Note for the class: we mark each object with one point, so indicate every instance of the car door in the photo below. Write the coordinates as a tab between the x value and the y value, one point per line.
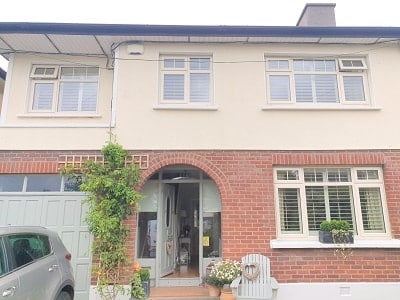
9	283
40	277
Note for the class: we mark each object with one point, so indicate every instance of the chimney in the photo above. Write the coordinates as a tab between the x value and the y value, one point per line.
318	14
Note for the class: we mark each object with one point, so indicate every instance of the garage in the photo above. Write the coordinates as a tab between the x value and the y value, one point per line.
60	211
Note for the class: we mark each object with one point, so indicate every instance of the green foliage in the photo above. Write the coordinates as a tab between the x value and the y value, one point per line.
137	291
341	225
111	199
144	274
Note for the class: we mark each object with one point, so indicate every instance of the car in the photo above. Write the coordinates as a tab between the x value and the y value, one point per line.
34	265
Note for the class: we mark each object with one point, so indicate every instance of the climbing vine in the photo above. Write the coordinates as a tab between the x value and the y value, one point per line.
111	199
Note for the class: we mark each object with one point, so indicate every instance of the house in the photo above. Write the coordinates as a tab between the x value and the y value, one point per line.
246	137
2	81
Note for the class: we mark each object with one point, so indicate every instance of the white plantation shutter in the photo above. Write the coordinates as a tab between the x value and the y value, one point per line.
316	211
43	96
340	203
353	88
289	210
199	87
174	86
316	88
199	79
77	96
89	96
68	97
279	87
371	210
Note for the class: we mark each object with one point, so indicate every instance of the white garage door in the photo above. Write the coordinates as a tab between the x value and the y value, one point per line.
62	213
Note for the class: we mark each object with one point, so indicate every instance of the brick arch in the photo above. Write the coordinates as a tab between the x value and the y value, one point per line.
161	160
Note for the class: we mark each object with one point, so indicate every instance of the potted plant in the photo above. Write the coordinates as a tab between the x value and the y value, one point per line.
140	282
214	285
145	279
137	291
223	273
335	232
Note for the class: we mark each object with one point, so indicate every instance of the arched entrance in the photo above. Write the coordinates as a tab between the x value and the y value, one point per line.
179	225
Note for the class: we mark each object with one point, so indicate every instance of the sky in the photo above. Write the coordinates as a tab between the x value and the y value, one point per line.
376	13
200	12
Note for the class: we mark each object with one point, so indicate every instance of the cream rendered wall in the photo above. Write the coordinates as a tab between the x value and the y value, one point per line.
241	119
1	92
23	130
240	95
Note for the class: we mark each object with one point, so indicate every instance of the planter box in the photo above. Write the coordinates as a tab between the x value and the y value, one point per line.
327	238
146	288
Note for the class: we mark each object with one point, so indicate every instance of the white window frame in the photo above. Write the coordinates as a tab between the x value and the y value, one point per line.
342	67
355	183
56	80
41	76
185	71
340	72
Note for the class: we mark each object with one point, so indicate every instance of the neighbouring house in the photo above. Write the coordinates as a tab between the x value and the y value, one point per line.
2	81
247	138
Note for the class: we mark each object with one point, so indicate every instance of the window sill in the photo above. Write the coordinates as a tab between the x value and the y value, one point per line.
58	115
342	107
298	244
184	107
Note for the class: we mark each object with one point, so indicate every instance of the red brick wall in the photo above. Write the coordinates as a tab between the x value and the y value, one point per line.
245	180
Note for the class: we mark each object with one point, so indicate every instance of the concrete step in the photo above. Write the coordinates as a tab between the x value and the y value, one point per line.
180	293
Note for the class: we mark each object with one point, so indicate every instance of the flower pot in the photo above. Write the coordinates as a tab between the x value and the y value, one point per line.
213	291
327	237
226	294
146	288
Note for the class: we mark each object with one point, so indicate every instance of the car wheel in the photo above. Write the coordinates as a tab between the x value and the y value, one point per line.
64	296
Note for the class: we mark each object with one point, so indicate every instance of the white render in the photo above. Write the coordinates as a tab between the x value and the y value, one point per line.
239	91
339	291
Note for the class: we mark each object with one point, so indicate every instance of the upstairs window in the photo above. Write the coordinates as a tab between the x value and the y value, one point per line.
307	196
64	89
316	81
185	80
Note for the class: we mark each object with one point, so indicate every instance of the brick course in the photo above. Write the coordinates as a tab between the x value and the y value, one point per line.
245	181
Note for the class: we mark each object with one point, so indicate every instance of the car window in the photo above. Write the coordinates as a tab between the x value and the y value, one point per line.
29	247
2	258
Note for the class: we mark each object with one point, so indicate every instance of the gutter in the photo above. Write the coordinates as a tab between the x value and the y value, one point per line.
193	30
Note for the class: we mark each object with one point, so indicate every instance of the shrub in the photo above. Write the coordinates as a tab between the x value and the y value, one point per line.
144	274
339	225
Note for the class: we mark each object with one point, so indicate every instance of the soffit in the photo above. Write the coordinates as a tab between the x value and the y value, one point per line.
98	39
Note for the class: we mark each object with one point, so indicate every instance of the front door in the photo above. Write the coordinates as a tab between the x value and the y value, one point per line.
167	234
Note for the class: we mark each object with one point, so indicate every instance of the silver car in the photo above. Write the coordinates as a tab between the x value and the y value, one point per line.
34	265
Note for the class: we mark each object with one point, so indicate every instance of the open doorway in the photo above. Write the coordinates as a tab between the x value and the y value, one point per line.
187	229
179	226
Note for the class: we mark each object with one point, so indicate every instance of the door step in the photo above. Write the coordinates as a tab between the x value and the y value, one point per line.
180	293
